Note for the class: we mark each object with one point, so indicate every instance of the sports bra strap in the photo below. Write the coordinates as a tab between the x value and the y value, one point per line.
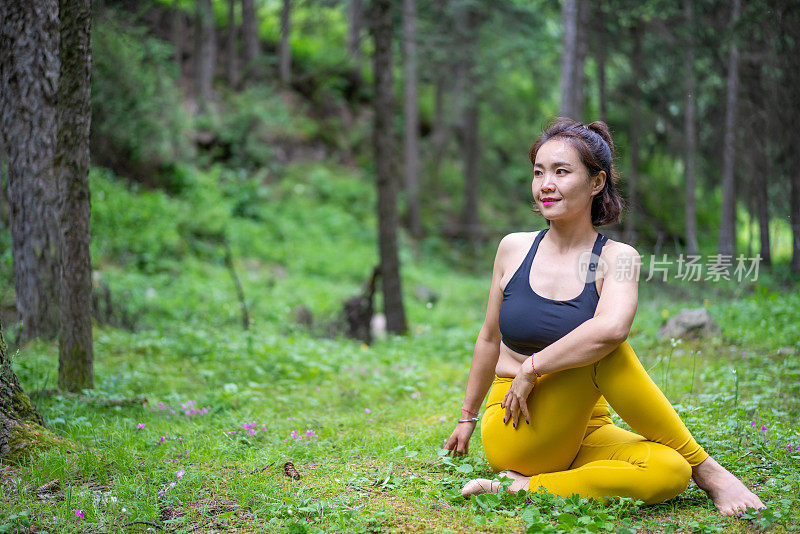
591	272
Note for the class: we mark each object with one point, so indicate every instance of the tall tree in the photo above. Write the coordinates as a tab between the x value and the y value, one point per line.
727	225
206	51
29	79
250	40
636	99
385	165
230	47
468	25
690	133
570	15
177	33
411	114
18	417
355	15
600	54
285	52
75	354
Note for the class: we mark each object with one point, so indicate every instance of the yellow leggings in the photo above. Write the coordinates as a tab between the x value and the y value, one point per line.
570	445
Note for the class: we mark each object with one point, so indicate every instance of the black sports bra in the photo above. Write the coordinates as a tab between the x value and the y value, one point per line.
530	322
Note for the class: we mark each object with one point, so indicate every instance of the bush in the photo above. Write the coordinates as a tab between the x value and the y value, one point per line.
139	127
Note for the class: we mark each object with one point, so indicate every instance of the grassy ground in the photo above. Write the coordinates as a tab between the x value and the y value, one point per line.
363	425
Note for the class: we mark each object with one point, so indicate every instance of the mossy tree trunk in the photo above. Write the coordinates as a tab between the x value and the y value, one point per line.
21	426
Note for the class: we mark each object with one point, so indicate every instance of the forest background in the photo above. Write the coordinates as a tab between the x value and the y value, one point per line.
253	162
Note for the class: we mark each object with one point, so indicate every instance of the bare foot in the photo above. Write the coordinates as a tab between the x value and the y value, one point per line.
484	485
730	496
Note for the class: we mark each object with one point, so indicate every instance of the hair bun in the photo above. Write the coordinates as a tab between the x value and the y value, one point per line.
601	128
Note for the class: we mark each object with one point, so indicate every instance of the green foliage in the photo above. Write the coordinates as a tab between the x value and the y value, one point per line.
140	127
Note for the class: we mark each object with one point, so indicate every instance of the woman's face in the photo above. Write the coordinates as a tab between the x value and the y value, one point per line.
562	187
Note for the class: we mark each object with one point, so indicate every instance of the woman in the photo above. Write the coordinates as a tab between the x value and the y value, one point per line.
551	363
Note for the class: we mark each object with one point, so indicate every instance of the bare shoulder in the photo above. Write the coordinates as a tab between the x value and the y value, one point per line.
617	249
617	255
516	240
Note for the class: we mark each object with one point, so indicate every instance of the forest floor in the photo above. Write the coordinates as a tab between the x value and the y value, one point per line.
189	428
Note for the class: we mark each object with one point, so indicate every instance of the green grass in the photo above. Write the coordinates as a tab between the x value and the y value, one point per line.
372	419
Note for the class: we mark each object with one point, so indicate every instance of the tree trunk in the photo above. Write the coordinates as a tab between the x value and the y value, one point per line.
633	174
411	113
795	218
355	13
569	59
600	59
250	40
20	423
206	46
582	48
230	49
177	33
690	136
727	226
29	76
75	354
385	150
467	82
285	52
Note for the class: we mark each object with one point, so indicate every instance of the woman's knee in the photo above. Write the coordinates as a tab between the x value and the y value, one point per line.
671	473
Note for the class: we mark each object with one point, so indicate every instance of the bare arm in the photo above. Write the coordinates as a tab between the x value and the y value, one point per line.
612	320
484	358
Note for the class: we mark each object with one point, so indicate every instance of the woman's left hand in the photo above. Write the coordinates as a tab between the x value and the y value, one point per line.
516	399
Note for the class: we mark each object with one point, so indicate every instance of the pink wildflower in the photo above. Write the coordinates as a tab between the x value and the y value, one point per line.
311	434
162	439
752	423
764	428
180	473
252	432
294	434
79	513
140	426
367	410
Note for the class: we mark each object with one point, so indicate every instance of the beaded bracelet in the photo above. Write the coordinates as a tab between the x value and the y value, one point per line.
469	411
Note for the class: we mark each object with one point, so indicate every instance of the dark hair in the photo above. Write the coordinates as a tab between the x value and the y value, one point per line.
596	149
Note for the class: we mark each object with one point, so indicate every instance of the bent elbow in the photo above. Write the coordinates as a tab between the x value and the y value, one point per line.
618	333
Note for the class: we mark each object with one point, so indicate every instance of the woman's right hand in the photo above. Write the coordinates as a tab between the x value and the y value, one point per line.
458	444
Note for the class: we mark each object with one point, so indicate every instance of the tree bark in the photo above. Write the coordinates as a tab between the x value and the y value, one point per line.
727	226
569	59
75	353
230	49
467	82
411	113
19	421
250	40
385	150
633	174
690	135
285	52
206	46
29	67
355	14
177	33
582	48
600	59
795	218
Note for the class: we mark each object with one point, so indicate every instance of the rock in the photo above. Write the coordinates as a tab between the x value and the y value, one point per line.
689	324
